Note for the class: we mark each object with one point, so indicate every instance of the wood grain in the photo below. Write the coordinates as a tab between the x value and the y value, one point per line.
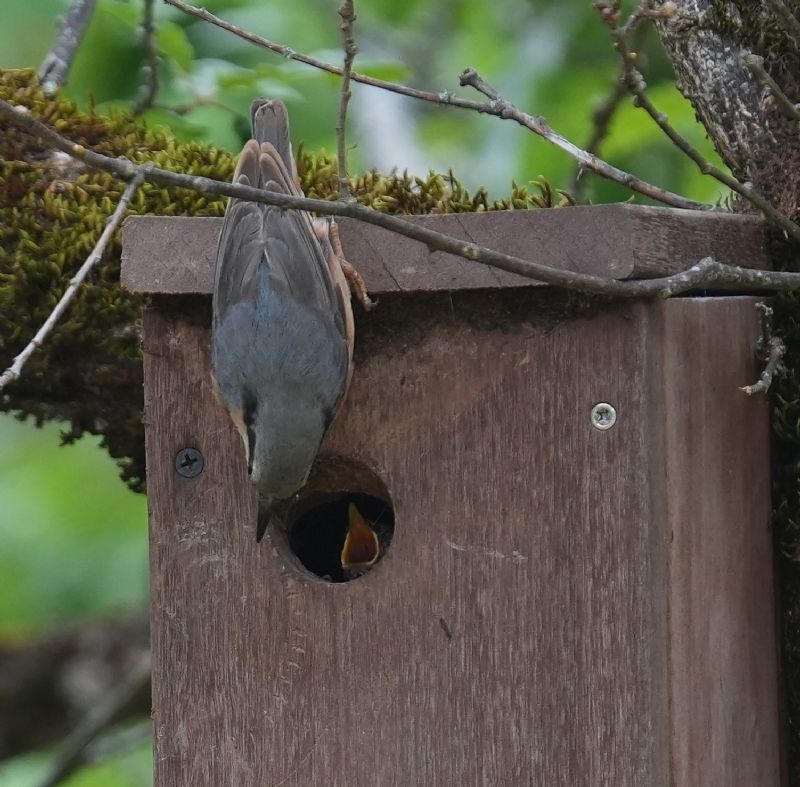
559	605
619	241
723	664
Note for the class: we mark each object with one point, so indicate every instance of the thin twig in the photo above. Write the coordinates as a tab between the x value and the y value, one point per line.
706	273
537	125
638	87
15	370
348	15
70	755
56	65
601	121
789	20
603	115
777	349
149	88
756	64
503	108
772	214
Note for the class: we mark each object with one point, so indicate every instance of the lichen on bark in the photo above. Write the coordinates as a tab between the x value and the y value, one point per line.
706	41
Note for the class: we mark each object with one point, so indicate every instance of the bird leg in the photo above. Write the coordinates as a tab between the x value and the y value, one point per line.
354	280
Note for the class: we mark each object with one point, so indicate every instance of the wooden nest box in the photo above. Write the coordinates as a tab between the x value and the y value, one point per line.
578	589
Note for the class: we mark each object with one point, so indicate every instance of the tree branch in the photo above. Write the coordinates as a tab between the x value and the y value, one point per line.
601	121
55	67
500	108
503	108
704	274
773	347
15	370
48	684
602	117
638	87
756	64
149	87
788	19
348	15
777	349
70	755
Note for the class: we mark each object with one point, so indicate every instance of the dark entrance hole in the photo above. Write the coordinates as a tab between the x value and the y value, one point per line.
341	524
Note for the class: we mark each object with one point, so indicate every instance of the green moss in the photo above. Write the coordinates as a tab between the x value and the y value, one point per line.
52	210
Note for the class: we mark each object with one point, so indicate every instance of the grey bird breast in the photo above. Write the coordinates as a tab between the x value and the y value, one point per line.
280	352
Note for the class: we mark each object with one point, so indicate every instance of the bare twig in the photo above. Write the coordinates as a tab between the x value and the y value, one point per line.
499	108
788	19
70	756
588	161
601	120
637	86
47	683
756	64
602	116
149	87
706	273
14	371
777	349
770	347
348	15
58	61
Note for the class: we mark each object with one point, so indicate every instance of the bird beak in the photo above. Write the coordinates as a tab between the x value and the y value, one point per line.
264	513
361	547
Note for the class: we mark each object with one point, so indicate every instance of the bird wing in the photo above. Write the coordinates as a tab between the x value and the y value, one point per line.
269	121
263	240
275	270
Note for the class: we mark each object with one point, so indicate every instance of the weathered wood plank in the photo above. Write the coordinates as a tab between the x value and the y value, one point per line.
521	628
723	661
176	255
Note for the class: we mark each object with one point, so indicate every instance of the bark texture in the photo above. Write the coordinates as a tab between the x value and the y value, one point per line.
707	40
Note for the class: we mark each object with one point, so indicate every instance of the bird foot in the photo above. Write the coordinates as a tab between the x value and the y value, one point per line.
354	281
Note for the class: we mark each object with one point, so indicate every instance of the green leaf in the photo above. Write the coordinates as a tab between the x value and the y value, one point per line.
173	43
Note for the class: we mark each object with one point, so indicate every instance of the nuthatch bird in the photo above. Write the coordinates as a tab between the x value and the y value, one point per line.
282	331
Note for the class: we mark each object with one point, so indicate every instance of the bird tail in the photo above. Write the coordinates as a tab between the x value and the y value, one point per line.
264	514
270	123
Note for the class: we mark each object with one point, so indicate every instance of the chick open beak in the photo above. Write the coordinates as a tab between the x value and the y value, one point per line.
361	547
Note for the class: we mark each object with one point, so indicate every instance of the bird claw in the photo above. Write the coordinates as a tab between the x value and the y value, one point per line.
354	280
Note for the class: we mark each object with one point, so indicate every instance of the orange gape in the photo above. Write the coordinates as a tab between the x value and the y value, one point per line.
361	546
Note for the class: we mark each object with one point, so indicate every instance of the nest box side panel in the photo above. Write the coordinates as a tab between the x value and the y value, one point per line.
723	636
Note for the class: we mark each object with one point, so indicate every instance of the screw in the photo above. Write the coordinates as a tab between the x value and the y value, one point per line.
603	416
189	462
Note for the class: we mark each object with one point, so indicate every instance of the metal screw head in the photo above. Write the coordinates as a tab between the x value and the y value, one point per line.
603	416
189	462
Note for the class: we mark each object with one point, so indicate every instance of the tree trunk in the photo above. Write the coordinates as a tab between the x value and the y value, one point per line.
707	40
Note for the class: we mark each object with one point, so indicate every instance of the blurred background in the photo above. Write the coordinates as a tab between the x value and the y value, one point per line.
73	538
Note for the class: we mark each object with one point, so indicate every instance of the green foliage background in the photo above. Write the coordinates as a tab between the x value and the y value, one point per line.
74	539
